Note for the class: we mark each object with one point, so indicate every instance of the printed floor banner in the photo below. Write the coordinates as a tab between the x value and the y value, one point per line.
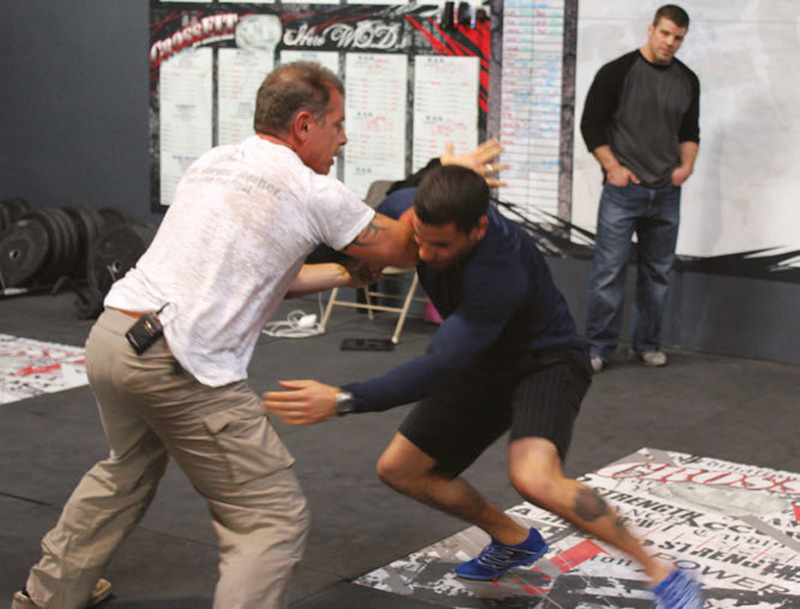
735	527
30	367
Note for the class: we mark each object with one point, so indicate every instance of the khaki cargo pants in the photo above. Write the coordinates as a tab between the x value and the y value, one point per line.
220	437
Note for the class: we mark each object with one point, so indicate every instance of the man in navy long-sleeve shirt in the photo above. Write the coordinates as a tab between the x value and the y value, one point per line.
507	356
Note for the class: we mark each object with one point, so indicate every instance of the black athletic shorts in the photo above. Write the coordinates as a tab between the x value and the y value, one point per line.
540	396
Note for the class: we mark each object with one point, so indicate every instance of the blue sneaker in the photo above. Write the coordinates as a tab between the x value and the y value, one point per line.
678	591
497	558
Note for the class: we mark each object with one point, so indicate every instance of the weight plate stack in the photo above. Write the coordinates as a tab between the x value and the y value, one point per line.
88	224
24	249
115	252
113	216
50	270
10	211
71	242
5	219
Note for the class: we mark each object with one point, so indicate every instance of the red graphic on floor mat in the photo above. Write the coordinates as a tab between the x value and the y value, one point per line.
30	367
37	370
586	550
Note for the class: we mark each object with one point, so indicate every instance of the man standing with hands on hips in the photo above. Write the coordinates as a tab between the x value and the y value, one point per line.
640	122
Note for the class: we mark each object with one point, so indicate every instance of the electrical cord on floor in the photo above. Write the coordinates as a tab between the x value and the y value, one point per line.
298	324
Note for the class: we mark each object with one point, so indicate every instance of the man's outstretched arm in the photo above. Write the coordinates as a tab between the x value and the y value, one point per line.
305	403
314	278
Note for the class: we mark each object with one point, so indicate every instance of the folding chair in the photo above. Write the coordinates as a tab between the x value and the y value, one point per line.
406	278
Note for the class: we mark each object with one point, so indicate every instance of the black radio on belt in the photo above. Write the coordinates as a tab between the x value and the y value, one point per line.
146	331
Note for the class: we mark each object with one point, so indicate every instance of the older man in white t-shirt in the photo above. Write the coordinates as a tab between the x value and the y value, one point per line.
230	248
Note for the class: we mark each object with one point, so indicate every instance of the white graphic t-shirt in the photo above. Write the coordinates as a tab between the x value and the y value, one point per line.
244	219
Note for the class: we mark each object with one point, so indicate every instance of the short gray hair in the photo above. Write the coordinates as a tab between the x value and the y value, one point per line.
292	88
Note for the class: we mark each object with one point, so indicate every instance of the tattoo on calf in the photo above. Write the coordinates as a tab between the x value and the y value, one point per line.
368	234
589	505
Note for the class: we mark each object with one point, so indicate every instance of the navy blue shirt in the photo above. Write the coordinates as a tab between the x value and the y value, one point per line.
498	304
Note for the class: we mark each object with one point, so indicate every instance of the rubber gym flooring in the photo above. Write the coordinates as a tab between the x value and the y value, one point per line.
710	406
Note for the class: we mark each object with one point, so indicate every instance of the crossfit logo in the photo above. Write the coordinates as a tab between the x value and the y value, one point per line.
660	472
199	31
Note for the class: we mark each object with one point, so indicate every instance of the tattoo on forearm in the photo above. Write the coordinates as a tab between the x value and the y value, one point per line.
590	506
368	234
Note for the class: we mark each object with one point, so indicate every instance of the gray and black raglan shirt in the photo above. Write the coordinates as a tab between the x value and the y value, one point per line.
643	111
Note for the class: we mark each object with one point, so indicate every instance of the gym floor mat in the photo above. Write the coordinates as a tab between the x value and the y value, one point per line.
735	527
30	367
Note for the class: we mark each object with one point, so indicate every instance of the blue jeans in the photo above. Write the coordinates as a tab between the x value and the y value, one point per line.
653	214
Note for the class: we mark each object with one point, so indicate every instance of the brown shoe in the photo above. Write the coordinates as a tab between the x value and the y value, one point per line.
100	592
